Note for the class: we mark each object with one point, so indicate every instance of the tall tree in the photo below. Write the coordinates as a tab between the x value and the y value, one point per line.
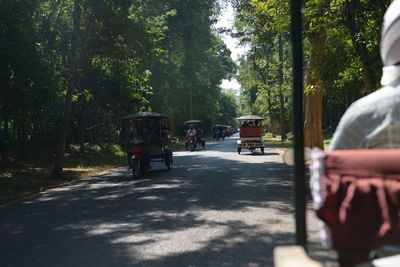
263	24
317	36
186	78
73	59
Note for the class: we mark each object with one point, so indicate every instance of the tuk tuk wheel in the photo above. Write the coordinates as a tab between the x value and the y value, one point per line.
239	149
136	168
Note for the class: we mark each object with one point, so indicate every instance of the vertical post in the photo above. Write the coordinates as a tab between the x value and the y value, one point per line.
300	198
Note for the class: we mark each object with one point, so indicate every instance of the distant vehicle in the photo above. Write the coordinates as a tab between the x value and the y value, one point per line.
250	133
147	140
220	131
194	134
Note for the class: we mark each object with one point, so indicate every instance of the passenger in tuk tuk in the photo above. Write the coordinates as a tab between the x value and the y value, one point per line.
199	134
373	121
133	135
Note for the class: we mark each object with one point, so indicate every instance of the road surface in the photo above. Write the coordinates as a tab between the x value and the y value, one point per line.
213	208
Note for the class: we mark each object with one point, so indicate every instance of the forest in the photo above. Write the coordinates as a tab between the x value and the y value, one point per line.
71	69
341	60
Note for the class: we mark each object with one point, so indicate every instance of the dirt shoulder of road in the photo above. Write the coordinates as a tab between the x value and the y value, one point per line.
27	174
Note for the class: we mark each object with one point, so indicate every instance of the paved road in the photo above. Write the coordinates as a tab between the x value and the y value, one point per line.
214	208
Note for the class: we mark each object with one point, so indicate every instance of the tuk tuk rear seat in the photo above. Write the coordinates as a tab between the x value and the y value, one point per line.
251	131
357	195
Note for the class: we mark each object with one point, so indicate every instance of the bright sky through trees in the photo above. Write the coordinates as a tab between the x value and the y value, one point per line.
226	21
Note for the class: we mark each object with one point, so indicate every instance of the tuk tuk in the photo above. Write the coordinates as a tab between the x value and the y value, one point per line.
219	131
230	131
194	134
250	133
146	135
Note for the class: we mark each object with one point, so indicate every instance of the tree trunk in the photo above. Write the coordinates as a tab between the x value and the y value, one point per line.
14	132
281	97
6	128
72	83
82	128
25	133
313	134
271	122
360	46
265	80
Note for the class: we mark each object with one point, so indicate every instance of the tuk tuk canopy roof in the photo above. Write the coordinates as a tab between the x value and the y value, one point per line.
250	117
145	115
193	122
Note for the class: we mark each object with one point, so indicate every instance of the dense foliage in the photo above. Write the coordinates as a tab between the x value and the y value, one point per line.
84	64
70	69
342	60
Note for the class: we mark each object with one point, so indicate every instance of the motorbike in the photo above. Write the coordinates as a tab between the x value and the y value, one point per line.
191	142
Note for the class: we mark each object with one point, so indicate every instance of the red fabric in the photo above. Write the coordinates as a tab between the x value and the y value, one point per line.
361	190
251	131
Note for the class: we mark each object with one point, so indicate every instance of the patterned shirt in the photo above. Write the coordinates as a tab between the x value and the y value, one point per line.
374	120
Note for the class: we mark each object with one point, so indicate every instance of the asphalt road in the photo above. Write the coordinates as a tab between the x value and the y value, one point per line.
213	208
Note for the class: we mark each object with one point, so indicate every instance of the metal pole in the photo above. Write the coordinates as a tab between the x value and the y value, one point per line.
300	195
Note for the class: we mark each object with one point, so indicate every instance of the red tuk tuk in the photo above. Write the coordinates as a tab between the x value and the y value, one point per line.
147	140
250	133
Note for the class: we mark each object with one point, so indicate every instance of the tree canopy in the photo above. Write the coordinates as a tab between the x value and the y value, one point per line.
71	69
75	67
342	62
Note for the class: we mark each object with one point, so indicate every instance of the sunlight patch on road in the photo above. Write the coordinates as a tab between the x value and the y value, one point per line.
109	197
106	184
47	198
151	246
151	198
107	228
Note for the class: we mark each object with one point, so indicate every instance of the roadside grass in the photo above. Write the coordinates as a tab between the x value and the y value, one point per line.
23	176
177	145
276	141
27	175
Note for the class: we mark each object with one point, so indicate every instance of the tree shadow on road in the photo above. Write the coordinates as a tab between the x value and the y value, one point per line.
115	220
